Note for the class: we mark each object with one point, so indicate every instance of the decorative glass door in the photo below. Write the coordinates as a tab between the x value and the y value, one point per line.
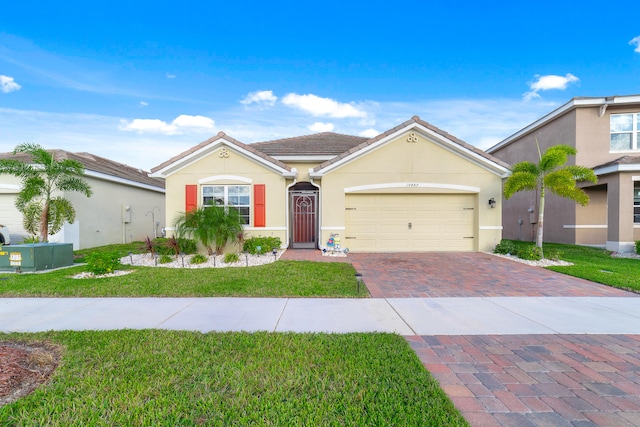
304	212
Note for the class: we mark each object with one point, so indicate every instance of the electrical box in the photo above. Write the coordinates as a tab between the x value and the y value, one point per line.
36	257
126	214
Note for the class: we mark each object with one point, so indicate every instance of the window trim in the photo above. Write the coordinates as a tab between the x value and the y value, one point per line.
635	131
247	218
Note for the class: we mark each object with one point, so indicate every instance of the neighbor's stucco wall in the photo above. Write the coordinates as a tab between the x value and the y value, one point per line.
103	218
99	219
560	213
9	214
220	167
421	162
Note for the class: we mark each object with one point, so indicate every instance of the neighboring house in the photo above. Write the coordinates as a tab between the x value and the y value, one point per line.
606	134
412	188
127	205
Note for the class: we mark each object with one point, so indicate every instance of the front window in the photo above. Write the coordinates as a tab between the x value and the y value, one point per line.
636	202
624	131
238	196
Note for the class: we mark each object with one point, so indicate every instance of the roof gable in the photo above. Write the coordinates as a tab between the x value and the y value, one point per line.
434	134
195	153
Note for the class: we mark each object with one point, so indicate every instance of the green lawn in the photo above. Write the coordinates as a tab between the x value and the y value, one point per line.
279	279
170	378
596	265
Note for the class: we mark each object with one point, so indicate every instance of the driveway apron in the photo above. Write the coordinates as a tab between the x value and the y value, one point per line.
542	379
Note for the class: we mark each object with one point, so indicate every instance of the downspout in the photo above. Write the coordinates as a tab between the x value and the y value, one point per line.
319	231
287	213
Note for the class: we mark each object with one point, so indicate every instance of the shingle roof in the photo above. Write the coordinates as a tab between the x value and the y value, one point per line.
227	138
414	119
98	164
325	143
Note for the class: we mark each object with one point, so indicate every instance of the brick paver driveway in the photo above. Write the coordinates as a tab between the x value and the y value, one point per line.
511	380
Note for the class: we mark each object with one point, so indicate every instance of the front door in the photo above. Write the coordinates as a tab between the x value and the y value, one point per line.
304	213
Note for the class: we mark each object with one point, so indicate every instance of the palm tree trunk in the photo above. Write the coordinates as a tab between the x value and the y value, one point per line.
540	221
44	223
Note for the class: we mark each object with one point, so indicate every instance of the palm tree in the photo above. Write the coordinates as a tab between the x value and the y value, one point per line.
43	211
213	226
550	173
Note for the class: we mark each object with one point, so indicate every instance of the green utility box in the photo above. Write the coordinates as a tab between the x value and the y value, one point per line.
36	256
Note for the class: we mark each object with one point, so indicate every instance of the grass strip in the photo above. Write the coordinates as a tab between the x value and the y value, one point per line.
178	378
594	264
279	279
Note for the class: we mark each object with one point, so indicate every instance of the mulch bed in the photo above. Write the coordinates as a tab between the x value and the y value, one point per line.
24	367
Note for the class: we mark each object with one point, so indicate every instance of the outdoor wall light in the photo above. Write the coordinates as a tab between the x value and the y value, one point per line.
492	202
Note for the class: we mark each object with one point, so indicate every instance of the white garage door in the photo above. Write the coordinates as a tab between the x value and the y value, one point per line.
406	223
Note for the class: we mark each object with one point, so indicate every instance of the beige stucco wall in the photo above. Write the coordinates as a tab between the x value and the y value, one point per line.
424	166
216	169
591	220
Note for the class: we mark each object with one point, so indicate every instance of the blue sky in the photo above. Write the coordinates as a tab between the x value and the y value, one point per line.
139	82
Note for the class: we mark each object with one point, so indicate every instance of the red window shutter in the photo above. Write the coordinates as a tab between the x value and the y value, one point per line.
259	206
191	197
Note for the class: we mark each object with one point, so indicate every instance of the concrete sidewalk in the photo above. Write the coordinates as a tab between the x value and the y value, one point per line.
405	316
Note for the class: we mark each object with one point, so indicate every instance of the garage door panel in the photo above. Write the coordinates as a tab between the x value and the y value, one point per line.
439	222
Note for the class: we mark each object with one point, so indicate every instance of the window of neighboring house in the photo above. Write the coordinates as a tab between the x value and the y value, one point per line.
636	202
238	196
624	132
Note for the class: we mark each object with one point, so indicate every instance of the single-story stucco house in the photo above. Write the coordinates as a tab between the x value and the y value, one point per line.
411	188
606	132
127	205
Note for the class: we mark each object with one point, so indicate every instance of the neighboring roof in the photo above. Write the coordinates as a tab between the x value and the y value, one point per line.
319	144
220	139
578	102
415	120
101	167
621	164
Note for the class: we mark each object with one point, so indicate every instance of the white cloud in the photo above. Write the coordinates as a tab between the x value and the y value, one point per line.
262	97
321	127
180	123
7	84
143	103
635	41
549	82
369	133
148	125
317	106
170	76
193	122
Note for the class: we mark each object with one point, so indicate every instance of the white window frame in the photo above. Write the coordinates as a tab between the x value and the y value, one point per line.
225	201
635	129
636	203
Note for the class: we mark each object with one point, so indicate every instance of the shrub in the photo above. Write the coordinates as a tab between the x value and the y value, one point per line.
31	239
638	247
174	245
231	258
506	247
554	255
103	262
198	259
264	242
529	252
165	259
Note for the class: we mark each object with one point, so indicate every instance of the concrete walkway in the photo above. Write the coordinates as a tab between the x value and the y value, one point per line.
405	316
